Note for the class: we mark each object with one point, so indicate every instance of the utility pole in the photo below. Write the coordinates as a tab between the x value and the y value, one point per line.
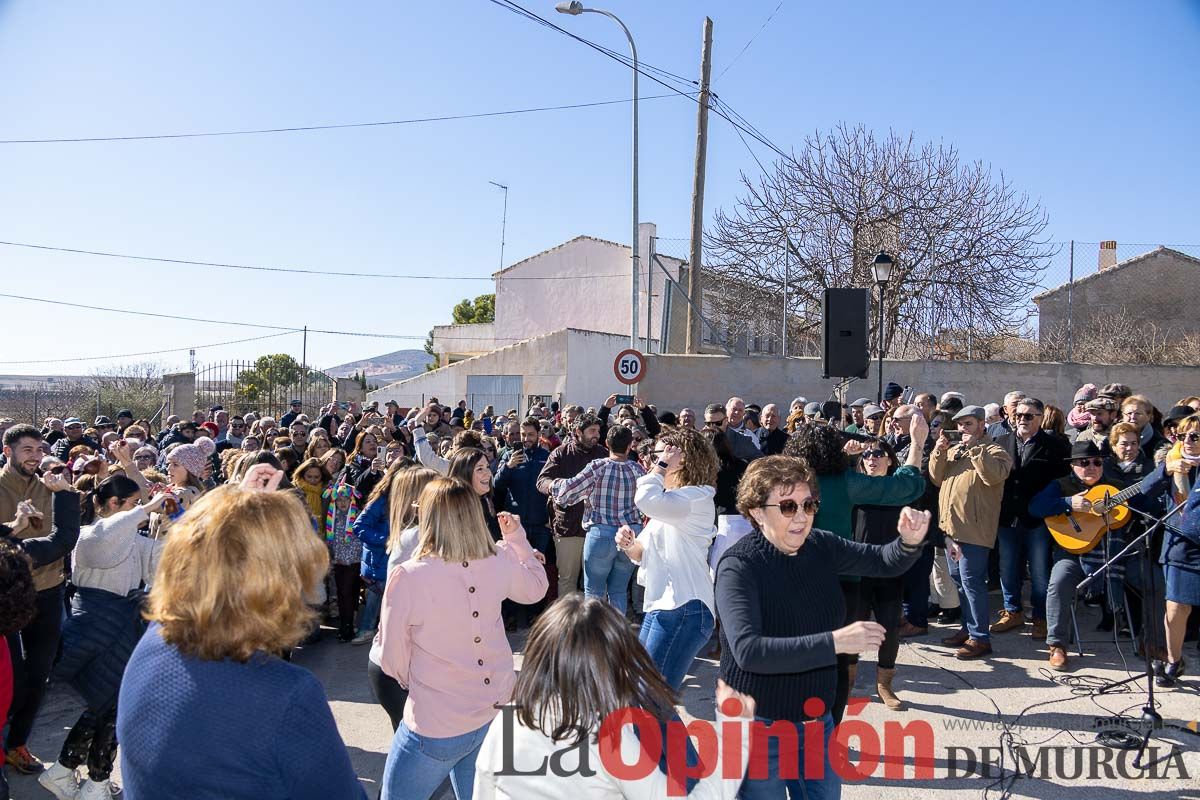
786	269
695	295
304	352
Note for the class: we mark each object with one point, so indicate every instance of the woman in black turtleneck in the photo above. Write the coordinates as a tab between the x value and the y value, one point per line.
781	609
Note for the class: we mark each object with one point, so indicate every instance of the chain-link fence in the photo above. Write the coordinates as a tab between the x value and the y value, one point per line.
1092	302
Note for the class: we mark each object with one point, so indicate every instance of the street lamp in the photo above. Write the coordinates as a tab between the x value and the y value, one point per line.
882	267
575	8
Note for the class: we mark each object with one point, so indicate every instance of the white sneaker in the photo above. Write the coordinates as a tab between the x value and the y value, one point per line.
363	638
92	790
60	781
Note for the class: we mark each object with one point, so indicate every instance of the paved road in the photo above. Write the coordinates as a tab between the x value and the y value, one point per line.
937	687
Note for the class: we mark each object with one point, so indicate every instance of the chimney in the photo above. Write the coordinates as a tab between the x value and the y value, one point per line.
1108	255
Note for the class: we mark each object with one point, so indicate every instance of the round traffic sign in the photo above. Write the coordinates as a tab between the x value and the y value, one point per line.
630	366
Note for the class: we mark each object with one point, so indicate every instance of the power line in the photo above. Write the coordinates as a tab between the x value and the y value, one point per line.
752	38
149	352
336	126
293	270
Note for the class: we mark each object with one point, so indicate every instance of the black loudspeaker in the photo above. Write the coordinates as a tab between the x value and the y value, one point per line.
845	351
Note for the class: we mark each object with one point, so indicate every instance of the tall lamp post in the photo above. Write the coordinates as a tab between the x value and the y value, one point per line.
882	267
575	8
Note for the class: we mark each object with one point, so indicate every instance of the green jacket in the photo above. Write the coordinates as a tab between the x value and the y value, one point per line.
841	493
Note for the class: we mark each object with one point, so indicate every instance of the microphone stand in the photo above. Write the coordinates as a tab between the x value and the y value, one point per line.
1150	716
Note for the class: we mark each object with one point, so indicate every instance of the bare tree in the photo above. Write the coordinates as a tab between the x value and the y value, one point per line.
1120	338
134	386
967	245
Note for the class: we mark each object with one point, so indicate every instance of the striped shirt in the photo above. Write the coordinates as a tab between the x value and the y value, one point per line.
608	488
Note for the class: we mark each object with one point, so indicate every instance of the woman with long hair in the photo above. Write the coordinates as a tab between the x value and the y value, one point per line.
311	480
188	466
877	524
207	707
402	534
334	462
373	528
318	444
672	550
111	562
442	638
581	665
470	465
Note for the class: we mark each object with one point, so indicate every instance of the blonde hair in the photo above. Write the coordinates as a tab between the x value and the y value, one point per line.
451	522
260	561
402	500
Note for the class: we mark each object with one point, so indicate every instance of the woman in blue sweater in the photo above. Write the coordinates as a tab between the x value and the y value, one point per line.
207	709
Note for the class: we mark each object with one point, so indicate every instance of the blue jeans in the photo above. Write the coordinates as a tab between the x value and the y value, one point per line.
970	574
1018	545
673	638
368	618
606	570
417	765
774	787
916	590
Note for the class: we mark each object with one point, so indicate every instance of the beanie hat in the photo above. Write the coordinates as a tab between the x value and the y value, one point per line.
892	391
192	457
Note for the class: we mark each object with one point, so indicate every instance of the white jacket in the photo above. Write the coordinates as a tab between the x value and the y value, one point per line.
674	565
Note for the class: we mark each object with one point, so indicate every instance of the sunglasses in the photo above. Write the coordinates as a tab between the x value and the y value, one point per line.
1026	417
1089	462
788	508
874	453
1191	437
58	470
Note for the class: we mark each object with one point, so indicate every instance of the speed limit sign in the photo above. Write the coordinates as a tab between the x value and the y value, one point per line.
629	366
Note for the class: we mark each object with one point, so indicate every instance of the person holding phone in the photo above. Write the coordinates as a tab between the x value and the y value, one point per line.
516	492
971	473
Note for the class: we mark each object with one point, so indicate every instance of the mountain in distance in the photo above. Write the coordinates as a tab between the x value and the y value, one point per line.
385	369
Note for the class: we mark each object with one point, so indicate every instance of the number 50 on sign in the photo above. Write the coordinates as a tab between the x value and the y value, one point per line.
629	367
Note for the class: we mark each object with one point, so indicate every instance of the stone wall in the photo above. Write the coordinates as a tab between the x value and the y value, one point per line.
674	381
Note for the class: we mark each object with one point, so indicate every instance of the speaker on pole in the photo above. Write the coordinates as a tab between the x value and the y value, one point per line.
845	346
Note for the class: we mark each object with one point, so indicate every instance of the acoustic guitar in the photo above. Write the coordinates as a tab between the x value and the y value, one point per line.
1079	532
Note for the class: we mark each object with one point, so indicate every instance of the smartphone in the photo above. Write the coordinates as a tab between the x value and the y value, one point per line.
953	436
624	399
343	405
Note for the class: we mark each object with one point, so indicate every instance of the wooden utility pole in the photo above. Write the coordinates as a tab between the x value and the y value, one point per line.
695	294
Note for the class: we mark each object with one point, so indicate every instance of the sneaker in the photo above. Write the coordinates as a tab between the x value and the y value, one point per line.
1008	620
1058	657
973	648
1171	673
363	638
60	781
94	790
1039	630
908	629
25	762
957	640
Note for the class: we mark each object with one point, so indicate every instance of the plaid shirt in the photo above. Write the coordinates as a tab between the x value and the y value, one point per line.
607	487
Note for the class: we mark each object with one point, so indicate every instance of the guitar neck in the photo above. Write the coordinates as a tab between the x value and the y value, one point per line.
1122	496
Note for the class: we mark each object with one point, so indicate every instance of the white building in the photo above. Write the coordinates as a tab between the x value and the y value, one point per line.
562	316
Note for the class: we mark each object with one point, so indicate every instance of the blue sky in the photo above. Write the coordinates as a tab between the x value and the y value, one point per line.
1091	108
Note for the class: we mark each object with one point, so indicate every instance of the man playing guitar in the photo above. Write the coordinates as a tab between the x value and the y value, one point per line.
1067	496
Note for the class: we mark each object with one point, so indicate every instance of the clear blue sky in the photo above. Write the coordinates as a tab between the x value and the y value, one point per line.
1092	108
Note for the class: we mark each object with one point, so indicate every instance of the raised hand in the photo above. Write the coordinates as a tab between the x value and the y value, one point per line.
918	430
913	525
857	637
510	526
262	478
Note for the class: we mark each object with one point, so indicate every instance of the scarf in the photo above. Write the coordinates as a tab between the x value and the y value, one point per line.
331	496
313	493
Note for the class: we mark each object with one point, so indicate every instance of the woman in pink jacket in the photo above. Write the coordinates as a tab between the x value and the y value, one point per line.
442	638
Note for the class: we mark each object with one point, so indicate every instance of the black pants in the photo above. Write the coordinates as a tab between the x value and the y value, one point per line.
884	597
346	584
388	692
33	649
93	740
850	593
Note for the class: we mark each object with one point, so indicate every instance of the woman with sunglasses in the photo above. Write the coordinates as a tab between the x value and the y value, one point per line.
877	524
841	489
1175	480
672	551
782	612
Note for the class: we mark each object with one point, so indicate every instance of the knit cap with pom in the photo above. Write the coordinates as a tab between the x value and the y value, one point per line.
193	457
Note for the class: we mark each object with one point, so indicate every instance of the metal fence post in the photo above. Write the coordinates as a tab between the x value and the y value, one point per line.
1070	308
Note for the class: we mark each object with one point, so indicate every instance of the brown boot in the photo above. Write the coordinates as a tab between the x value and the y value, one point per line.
973	648
908	630
1008	620
1058	657
853	673
957	640
883	685
1039	629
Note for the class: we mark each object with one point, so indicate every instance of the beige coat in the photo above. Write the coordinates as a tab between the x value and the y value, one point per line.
13	489
972	485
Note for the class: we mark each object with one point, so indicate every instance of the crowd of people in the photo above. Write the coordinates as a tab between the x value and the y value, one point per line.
166	573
